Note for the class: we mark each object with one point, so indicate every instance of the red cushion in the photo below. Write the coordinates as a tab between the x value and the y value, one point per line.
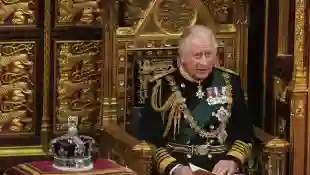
101	167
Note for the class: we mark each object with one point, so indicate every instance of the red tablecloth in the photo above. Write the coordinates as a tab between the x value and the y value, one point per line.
101	167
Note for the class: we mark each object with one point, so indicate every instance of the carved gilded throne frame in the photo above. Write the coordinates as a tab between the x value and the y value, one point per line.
156	26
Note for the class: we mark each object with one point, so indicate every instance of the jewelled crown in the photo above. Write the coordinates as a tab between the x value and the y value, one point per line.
71	151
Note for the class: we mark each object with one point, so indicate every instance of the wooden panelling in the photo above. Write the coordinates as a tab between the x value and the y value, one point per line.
300	96
307	59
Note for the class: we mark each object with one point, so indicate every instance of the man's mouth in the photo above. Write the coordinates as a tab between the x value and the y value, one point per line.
202	70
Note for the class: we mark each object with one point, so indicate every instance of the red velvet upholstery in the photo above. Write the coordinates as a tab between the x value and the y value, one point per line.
101	167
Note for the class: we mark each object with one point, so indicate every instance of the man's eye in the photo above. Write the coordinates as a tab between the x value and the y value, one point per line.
197	55
208	54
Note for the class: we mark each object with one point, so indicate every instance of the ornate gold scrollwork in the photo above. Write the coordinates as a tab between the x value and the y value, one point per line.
78	11
21	11
16	87
220	9
145	73
135	11
171	16
78	83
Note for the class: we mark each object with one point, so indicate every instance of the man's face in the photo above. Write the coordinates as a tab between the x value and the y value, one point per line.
199	58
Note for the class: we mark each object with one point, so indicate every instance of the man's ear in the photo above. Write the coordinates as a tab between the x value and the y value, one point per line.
216	62
179	61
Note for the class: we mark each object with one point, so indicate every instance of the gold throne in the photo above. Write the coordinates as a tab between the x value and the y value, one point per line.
148	43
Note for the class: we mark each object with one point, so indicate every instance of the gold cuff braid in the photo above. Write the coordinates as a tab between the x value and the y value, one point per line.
163	159
240	150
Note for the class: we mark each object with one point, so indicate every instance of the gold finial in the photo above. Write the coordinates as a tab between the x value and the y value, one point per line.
144	149
277	146
143	146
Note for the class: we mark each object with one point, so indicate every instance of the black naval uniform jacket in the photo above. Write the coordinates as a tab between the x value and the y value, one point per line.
239	127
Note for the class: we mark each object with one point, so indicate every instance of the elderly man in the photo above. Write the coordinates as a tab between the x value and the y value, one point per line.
196	114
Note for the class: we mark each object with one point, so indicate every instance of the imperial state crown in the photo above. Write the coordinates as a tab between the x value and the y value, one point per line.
72	152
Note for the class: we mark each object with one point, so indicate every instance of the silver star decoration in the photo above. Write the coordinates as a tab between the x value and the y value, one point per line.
200	94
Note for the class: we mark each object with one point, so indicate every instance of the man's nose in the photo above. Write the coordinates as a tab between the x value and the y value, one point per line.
205	60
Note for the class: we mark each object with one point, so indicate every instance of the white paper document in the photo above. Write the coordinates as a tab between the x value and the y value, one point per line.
195	168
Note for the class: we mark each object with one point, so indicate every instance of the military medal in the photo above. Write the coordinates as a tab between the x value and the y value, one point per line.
222	115
182	85
218	95
200	94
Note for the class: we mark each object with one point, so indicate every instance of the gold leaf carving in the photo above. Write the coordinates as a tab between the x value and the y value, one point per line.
78	83
144	75
220	9
300	108
300	93
135	11
16	87
147	68
172	16
300	71
21	12
77	11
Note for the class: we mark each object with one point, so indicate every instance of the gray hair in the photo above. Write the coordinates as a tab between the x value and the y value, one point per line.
195	31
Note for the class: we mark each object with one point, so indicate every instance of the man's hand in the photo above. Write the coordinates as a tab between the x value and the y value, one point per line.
182	170
225	167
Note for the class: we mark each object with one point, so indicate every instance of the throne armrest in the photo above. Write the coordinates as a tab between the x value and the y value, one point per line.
118	145
269	154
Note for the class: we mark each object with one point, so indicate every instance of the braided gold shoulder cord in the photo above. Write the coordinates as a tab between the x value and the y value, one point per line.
178	107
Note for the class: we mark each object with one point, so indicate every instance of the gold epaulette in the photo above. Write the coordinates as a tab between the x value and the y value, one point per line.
163	74
227	70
